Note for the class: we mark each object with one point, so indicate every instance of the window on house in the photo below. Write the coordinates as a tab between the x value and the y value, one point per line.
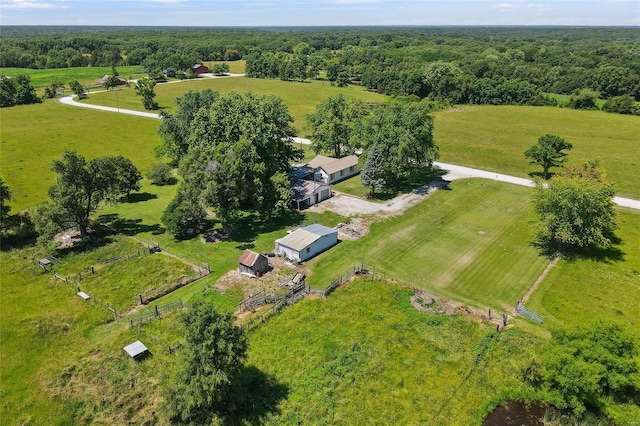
308	249
351	169
332	176
341	172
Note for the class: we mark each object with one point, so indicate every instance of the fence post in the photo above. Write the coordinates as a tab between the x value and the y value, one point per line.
504	319
156	309
141	300
93	272
131	322
489	313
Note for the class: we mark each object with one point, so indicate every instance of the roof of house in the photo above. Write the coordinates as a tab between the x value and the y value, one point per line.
303	189
305	236
249	258
332	165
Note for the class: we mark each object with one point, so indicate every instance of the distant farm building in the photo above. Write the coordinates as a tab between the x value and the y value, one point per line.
306	242
104	79
307	193
200	69
330	170
253	264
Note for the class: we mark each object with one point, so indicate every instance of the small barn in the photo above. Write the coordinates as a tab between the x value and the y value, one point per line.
119	81
200	69
330	170
306	242
253	264
307	193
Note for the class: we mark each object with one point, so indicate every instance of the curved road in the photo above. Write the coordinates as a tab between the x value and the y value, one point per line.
454	172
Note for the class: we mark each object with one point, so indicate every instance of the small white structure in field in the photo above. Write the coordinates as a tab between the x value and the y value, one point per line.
306	242
136	350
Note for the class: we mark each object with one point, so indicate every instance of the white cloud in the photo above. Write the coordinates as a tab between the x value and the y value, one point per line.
27	4
510	7
356	1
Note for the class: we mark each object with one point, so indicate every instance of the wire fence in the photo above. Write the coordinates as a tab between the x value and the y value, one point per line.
528	313
155	313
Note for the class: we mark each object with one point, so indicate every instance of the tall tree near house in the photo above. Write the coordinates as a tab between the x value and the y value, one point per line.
403	135
373	173
575	209
332	124
213	354
237	154
81	186
110	82
548	152
145	88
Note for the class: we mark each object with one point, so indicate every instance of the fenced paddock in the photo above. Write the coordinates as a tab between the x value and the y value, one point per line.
155	313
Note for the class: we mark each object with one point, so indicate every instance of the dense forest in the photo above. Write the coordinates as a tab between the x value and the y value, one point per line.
484	65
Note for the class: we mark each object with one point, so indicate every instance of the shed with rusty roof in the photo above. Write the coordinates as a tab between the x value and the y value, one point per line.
253	264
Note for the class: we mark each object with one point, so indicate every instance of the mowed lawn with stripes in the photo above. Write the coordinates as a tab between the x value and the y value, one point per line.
470	243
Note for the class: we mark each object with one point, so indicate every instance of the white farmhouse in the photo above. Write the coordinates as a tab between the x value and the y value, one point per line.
306	242
330	170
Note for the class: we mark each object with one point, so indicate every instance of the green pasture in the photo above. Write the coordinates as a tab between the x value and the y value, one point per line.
45	326
32	136
365	355
495	137
603	285
470	243
87	76
235	67
300	98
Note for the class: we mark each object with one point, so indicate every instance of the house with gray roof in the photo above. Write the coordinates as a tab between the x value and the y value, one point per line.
330	170
306	242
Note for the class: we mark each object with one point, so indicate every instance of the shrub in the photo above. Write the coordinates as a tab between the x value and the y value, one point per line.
161	174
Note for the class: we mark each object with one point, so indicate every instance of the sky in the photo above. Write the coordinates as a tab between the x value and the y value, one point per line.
215	13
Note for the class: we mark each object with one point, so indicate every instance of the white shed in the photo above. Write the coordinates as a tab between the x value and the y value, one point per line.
306	242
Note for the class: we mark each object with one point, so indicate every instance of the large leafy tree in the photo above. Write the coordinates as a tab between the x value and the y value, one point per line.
548	152
583	367
213	354
403	135
175	128
332	124
575	209
238	152
81	186
145	88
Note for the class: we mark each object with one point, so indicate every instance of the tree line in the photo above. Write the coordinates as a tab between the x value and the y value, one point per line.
457	65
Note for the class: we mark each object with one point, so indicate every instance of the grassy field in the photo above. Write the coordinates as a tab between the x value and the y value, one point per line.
495	137
87	76
366	356
605	285
34	135
479	254
45	326
235	67
300	98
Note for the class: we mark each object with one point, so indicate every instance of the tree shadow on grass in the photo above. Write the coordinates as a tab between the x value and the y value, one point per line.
128	226
139	197
600	254
253	396
246	229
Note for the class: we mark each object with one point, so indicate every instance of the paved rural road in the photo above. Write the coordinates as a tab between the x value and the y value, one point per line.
349	205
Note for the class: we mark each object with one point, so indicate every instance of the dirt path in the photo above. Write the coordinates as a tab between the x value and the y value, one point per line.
542	276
